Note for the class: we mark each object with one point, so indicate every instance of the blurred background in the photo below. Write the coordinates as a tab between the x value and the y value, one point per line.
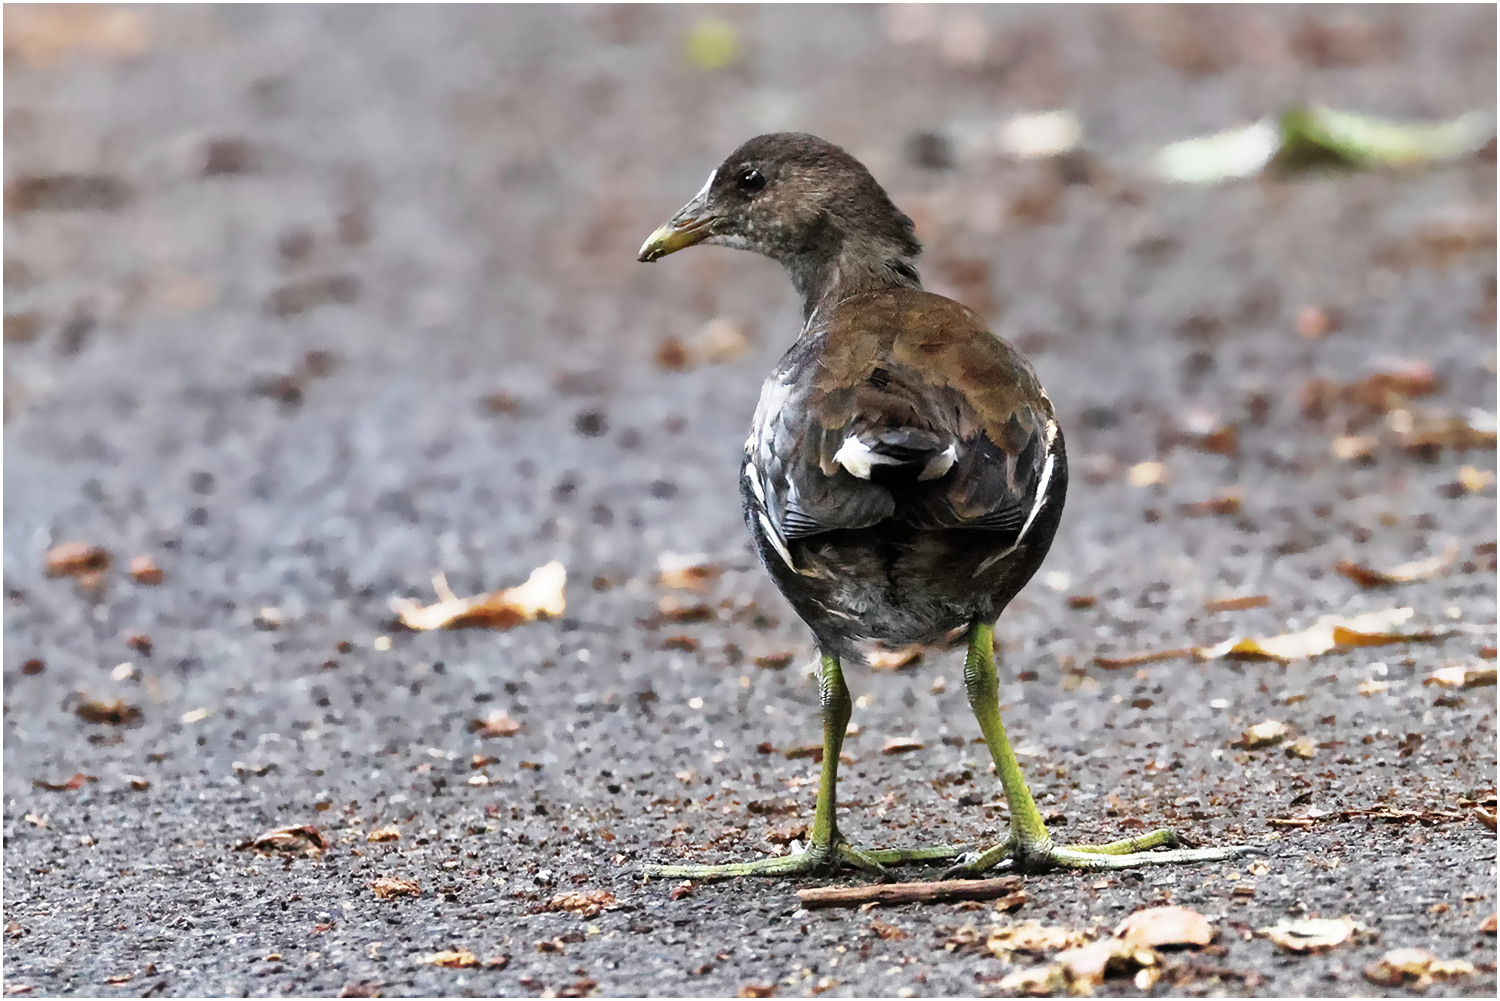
304	304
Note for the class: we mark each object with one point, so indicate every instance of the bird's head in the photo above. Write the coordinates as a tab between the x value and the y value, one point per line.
794	198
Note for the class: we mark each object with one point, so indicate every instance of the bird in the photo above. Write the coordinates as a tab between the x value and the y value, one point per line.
903	479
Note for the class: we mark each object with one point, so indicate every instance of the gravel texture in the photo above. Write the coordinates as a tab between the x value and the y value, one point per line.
307	304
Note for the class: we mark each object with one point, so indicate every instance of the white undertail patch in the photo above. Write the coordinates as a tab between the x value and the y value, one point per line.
1041	499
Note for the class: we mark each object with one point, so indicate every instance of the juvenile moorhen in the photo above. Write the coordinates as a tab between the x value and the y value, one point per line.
903	478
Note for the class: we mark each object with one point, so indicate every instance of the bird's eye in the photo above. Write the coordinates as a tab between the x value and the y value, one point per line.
750	179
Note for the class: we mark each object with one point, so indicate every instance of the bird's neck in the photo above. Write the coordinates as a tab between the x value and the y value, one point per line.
849	266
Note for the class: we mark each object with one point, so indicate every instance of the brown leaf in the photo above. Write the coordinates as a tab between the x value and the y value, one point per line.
1405	573
692	573
1417	968
389	887
143	570
1148	474
459	959
884	659
1487	927
1311	934
74	559
34	666
901	745
673	609
887	931
686	644
541	597
684	889
296	839
76	782
1266	734
1032	936
388	833
754	990
584	903
1158	926
1221	505
1327	634
137	782
1461	677
775	661
1241	604
497	724
115	713
41	34
1082	969
786	833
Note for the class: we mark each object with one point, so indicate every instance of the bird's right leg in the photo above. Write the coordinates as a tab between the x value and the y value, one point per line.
826	848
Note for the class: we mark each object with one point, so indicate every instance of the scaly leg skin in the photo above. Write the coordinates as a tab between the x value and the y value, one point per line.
1029	848
826	849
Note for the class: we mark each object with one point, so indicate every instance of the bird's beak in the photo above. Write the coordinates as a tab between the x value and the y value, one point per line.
692	224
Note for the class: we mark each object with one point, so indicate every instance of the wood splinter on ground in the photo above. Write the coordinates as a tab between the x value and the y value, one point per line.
909	893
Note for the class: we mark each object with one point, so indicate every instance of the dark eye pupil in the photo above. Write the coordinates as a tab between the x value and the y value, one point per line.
751	180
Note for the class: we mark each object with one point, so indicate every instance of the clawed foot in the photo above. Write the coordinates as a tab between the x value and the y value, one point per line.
1128	853
815	860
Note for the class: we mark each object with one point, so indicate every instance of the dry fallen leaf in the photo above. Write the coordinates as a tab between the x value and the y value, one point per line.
115	713
42	33
1032	936
1417	968
887	931
885	659
1222	505
775	661
145	571
389	887
1147	474
541	597
900	745
1241	604
757	991
1489	925
452	959
76	782
1328	633
1082	969
1461	677
1354	446
693	573
1158	926
1267	734
1474	480
497	724
1405	573
584	903
390	832
296	839
1302	747
75	559
1311	934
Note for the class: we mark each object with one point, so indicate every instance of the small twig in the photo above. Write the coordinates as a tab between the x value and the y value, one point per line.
909	893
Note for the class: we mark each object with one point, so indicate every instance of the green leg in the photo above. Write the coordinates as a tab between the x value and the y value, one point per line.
1029	847
826	847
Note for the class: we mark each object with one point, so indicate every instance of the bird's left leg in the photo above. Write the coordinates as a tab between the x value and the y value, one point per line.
1029	848
826	847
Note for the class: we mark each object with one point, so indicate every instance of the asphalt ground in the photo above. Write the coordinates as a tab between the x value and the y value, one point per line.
347	297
